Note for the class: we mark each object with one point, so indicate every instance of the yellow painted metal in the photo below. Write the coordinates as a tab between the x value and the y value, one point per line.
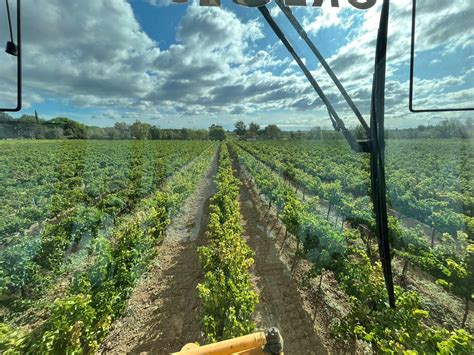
190	346
240	345
257	351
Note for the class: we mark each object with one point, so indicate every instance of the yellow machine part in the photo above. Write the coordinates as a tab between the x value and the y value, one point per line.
251	344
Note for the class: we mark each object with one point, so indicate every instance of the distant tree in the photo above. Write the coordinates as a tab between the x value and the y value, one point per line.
240	129
112	133
444	129
27	118
253	130
155	132
183	133
272	131
140	130
315	133
123	129
72	129
96	133
54	133
216	133
202	134
36	117
295	135
5	117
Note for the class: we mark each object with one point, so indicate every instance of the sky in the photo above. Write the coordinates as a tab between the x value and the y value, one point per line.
185	65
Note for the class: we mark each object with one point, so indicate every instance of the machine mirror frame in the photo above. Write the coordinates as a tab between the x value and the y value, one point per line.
19	61
412	71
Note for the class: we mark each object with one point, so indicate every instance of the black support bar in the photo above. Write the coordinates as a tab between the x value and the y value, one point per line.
332	112
289	14
376	143
377	154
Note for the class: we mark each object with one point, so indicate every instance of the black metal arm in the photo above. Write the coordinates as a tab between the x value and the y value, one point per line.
376	143
377	154
337	122
289	14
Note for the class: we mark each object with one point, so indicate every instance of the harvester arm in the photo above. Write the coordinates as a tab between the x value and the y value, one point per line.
252	344
335	119
289	15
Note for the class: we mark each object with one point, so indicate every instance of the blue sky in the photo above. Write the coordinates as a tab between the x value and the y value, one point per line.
103	61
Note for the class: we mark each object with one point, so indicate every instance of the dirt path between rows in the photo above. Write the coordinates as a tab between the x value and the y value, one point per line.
162	313
444	307
281	304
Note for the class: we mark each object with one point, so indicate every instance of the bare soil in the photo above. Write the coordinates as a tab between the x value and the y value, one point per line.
162	314
446	309
303	314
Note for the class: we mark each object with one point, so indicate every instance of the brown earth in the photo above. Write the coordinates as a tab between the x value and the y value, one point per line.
446	309
280	303
163	309
303	314
162	312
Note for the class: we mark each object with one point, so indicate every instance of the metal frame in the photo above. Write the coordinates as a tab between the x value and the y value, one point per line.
19	63
375	145
377	153
289	14
335	119
412	70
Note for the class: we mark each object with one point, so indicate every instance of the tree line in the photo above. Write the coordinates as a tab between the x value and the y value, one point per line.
33	127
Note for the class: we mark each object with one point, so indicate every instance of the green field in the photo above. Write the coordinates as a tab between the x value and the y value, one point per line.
80	222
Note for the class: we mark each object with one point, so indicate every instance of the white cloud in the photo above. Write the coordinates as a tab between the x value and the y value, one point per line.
159	3
95	54
93	49
327	18
440	27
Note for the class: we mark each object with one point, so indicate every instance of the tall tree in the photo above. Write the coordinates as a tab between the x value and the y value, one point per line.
240	129
272	131
140	130
216	133
155	132
123	128
253	130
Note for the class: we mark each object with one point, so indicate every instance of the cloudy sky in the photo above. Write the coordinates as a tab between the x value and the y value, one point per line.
102	61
